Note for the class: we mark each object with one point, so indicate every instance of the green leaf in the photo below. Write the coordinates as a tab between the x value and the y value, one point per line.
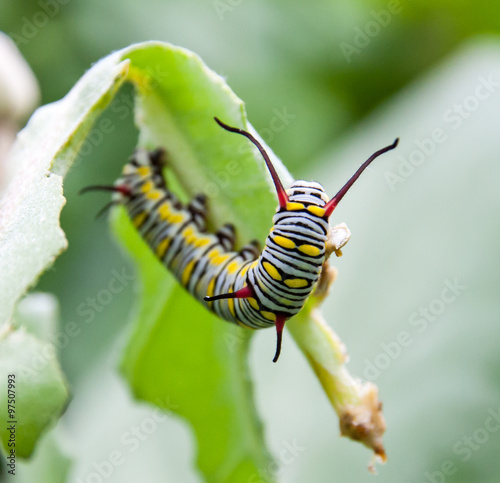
39	392
179	352
35	396
180	356
356	402
30	240
177	99
30	204
31	237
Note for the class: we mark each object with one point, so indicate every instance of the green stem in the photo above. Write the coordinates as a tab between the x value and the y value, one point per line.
355	402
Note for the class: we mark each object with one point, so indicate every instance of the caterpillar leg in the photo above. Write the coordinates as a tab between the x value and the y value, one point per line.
157	161
198	209
158	158
251	251
227	236
326	279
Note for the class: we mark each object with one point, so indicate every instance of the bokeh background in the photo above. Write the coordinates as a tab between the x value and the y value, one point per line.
416	300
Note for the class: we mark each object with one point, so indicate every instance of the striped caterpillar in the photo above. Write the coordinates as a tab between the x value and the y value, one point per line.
249	287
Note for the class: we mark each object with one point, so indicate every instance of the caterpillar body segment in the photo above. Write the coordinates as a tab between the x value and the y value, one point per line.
280	277
251	287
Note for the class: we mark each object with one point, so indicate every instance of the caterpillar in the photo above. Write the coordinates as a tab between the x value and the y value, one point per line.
250	287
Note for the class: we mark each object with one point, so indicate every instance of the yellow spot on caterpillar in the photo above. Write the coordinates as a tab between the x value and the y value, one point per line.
244	270
213	254
174	219
284	242
268	315
296	282
164	211
291	206
139	219
254	264
310	250
210	288
143	170
189	236
187	272
233	266
230	303
201	242
148	186
316	210
271	270
253	303
162	247
153	195
220	259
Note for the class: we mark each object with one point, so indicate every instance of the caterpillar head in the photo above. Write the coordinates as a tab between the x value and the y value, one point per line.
302	190
308	192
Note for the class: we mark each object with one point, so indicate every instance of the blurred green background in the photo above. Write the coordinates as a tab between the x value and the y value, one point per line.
343	79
